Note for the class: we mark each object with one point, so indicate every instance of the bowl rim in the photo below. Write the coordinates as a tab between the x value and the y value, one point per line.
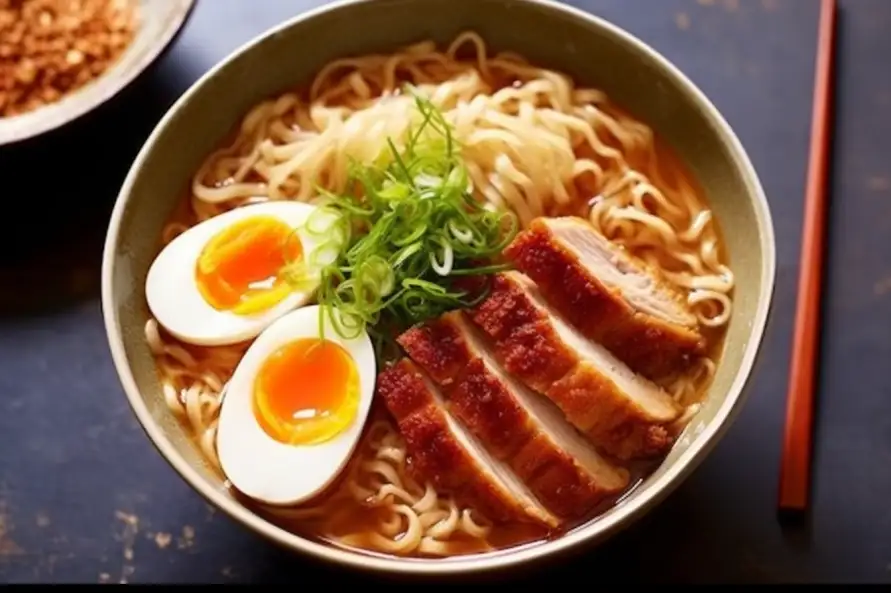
105	88
698	449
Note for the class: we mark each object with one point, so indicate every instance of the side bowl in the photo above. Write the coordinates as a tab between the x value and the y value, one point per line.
633	74
160	20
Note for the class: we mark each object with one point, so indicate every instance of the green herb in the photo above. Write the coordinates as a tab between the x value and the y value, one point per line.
407	236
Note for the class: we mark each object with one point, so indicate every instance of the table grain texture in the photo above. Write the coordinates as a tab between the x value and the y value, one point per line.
84	497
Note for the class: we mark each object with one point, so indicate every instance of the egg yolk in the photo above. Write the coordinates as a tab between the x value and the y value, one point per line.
239	268
306	392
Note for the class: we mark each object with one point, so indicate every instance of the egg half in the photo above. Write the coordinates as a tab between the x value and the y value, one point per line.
294	409
221	281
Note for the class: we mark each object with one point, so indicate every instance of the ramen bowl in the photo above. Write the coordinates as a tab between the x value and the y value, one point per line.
159	21
587	48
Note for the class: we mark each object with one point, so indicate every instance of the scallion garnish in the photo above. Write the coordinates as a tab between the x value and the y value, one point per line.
406	236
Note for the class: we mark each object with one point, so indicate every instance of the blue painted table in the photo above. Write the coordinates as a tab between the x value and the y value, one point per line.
84	496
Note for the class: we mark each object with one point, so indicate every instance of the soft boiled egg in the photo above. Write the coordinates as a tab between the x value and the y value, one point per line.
221	281
294	409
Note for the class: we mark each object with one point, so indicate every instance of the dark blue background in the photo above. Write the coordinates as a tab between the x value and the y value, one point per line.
85	497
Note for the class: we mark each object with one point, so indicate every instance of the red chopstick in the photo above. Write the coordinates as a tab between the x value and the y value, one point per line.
796	460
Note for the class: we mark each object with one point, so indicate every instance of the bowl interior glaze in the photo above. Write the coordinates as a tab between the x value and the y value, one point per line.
593	51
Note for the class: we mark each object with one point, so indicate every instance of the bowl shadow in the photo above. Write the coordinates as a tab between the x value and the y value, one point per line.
64	184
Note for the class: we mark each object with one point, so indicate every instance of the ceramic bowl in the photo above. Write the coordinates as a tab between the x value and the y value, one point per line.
159	21
592	50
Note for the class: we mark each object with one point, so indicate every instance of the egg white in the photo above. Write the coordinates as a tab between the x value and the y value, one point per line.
176	302
258	465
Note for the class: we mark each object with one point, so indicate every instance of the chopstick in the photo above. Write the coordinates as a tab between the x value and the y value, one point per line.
796	460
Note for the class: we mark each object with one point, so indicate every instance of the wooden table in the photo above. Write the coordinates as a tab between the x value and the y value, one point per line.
85	497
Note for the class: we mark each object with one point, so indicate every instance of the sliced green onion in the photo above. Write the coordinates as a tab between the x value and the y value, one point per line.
398	244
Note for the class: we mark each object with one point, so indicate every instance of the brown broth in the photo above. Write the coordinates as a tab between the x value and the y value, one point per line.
715	337
502	537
